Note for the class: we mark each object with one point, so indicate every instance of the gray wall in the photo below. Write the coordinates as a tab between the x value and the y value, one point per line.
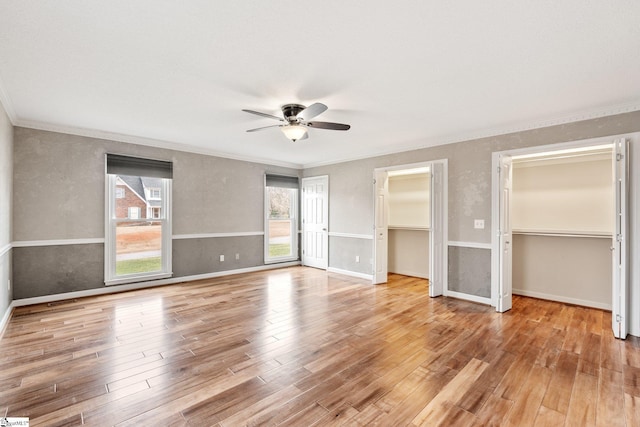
470	271
59	188
351	190
59	182
201	256
6	168
50	270
571	269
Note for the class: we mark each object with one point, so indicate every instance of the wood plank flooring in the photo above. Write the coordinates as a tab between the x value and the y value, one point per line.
302	347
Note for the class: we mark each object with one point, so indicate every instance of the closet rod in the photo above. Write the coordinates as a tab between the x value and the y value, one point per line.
563	234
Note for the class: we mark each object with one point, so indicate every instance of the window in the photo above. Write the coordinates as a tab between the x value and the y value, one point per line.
137	235
281	225
134	213
119	192
154	194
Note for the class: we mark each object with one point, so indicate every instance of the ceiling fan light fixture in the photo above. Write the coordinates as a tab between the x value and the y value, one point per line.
296	118
294	132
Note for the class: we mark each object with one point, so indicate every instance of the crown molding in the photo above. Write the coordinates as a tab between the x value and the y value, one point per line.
495	131
149	142
430	142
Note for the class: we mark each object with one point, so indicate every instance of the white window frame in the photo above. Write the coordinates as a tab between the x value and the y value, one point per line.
132	209
120	192
294	228
110	235
152	193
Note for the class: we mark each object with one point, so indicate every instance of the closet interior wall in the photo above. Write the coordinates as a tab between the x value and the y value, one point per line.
409	205
562	216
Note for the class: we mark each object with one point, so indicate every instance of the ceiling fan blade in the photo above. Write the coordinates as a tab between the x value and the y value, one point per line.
329	125
263	127
258	113
311	111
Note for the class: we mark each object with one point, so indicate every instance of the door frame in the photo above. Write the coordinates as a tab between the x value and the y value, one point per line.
620	245
380	257
443	259
501	291
325	237
632	287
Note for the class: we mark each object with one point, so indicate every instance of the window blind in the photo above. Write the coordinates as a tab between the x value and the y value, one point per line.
281	181
137	166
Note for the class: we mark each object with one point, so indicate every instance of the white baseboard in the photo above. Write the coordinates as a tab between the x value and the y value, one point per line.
560	298
350	273
5	319
410	273
141	285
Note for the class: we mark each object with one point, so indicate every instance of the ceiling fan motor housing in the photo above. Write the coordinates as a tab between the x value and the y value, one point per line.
290	111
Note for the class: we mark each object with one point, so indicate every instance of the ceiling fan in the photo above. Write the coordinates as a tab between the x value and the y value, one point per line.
296	120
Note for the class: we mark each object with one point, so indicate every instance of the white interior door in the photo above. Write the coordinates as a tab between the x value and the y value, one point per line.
438	244
381	238
315	222
620	245
504	234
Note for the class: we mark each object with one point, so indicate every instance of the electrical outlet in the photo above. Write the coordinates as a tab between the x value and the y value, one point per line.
357	258
221	258
237	257
478	223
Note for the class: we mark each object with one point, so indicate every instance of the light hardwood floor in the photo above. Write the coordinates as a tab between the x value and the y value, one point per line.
299	346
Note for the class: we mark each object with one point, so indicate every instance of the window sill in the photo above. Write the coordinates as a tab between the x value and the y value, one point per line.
137	278
284	259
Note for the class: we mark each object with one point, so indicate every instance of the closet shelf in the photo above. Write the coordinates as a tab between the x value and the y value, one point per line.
564	233
408	227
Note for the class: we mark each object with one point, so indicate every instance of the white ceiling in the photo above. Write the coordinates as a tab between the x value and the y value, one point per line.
404	74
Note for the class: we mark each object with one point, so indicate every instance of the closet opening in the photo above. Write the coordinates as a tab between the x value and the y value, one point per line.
562	224
560	215
409	221
410	214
